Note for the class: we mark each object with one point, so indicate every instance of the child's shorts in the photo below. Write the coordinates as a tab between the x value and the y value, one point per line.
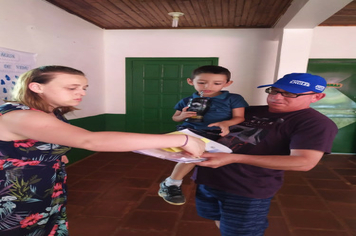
238	216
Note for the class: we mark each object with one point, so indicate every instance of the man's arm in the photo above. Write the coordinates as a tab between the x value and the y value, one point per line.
298	160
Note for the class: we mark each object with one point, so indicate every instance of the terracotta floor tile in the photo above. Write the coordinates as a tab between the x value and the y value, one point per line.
80	170
143	173
307	232
190	214
96	163
118	168
294	180
351	223
93	226
351	180
274	210
135	232
73	179
343	210
321	202
277	227
320	175
134	182
296	190
320	168
302	202
123	194
312	219
329	184
89	185
345	196
108	209
346	172
74	210
131	159
339	162
105	175
82	198
197	228
151	220
153	163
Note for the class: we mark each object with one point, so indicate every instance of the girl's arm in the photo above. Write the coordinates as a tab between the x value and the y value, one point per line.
29	124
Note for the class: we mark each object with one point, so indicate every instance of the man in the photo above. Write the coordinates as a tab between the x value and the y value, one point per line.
285	135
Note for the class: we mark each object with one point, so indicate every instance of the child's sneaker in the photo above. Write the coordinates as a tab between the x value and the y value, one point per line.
171	194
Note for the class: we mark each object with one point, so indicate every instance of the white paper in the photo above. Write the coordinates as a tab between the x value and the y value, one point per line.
211	146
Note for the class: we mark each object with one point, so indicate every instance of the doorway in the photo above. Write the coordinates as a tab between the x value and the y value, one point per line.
153	87
340	101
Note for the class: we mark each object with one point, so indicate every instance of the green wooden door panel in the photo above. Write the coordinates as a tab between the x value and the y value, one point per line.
340	102
154	86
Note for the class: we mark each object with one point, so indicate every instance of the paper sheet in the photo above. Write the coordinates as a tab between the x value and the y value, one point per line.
177	154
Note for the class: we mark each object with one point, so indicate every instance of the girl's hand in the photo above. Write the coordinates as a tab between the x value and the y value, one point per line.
194	146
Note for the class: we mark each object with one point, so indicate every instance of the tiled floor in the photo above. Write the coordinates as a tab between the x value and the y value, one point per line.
114	194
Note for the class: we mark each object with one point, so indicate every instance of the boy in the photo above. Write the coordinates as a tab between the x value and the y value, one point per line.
226	109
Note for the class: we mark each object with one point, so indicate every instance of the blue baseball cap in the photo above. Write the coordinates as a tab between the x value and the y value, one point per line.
299	83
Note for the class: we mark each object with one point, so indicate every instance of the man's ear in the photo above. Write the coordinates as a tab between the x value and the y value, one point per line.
228	83
35	87
190	81
318	97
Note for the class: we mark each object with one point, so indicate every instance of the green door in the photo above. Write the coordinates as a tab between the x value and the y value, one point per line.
153	87
340	101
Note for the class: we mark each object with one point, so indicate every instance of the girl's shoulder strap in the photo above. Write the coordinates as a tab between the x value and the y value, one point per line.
7	107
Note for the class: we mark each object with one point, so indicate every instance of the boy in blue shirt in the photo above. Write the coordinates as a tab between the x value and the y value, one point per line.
226	109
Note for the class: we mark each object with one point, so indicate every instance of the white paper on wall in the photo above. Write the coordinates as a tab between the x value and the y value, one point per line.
12	64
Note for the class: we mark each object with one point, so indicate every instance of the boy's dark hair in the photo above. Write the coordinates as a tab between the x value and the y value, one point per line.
212	70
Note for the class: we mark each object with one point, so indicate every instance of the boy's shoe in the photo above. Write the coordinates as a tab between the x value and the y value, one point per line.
171	194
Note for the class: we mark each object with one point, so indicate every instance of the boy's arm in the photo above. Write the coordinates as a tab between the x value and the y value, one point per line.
238	116
180	116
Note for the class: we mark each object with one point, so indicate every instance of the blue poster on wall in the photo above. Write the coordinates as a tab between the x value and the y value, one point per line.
12	64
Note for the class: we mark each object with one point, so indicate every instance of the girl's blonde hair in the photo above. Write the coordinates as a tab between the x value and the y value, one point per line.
42	75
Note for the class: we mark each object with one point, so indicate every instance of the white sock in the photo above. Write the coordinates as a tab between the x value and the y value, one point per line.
169	182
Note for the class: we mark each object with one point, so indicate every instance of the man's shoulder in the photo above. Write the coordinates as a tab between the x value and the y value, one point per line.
311	113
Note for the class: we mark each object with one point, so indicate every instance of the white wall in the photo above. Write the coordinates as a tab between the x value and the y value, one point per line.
58	38
294	51
334	42
250	54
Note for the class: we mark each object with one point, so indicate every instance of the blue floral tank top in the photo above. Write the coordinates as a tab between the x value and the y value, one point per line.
33	192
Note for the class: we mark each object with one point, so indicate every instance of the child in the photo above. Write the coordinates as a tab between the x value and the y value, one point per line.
226	109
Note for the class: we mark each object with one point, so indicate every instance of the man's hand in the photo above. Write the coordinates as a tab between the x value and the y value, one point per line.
215	160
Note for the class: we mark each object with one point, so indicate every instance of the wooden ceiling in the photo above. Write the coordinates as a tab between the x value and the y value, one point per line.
153	14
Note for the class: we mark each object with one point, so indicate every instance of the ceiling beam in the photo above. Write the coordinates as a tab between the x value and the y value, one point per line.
307	14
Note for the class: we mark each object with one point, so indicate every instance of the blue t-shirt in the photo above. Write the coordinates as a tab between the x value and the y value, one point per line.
220	109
